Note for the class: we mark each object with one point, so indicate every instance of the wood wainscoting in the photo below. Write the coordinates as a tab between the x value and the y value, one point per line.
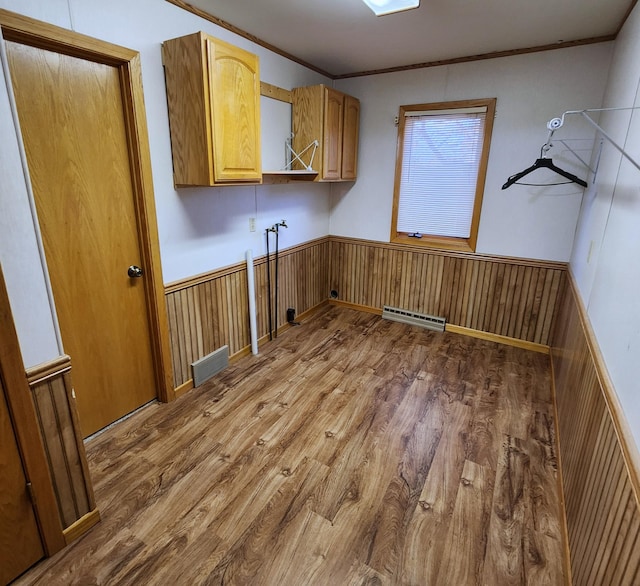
211	310
505	299
598	458
509	297
52	391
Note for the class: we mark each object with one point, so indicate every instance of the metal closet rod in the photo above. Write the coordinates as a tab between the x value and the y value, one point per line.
556	123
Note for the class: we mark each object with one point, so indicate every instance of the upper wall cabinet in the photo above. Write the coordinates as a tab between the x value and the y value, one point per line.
331	117
213	94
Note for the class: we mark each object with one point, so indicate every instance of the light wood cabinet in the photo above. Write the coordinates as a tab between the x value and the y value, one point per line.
213	95
332	118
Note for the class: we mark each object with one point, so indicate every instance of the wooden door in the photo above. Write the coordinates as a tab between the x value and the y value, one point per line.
20	543
350	138
332	148
73	126
234	80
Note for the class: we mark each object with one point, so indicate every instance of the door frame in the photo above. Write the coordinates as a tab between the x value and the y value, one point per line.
28	31
27	429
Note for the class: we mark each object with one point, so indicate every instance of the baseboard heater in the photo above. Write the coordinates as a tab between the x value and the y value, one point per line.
210	365
430	322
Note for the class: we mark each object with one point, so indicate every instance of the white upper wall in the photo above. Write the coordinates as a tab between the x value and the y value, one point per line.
200	229
605	256
530	89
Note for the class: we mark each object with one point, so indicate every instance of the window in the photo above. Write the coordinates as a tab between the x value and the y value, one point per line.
440	171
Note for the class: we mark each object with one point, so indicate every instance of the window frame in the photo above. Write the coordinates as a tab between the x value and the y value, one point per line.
432	240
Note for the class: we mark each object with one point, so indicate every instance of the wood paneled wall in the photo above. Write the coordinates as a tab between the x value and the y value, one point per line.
515	298
598	465
52	394
209	311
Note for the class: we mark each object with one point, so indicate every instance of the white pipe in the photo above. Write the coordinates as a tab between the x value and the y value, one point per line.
613	142
251	285
556	123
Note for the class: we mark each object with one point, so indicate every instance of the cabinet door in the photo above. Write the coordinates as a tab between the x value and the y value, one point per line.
350	138
332	148
235	112
308	125
185	67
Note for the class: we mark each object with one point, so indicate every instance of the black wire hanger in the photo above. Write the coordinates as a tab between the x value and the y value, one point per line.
544	162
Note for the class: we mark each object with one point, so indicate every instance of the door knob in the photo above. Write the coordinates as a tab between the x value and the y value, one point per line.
134	272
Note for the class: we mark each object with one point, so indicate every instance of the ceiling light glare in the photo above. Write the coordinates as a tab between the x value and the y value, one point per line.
382	7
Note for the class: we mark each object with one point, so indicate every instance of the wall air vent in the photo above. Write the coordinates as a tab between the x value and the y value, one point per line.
430	322
210	365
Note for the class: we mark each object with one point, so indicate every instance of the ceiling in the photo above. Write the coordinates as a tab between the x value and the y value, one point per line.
343	37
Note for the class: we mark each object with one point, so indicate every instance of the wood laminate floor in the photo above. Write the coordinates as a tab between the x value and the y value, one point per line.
352	450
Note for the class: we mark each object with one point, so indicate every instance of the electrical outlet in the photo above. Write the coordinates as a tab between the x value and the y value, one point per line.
252	224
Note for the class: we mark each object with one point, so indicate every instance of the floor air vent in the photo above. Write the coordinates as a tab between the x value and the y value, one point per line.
210	365
431	322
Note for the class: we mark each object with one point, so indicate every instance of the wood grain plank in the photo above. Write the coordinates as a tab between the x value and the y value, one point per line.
495	298
182	335
510	301
538	298
253	548
470	293
485	297
72	444
174	341
468	532
474	308
544	304
525	282
386	551
56	454
530	308
550	312
424	545
507	528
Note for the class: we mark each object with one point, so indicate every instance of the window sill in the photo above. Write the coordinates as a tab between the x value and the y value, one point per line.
437	242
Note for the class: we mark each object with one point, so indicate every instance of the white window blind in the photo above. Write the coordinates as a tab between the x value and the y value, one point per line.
439	175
